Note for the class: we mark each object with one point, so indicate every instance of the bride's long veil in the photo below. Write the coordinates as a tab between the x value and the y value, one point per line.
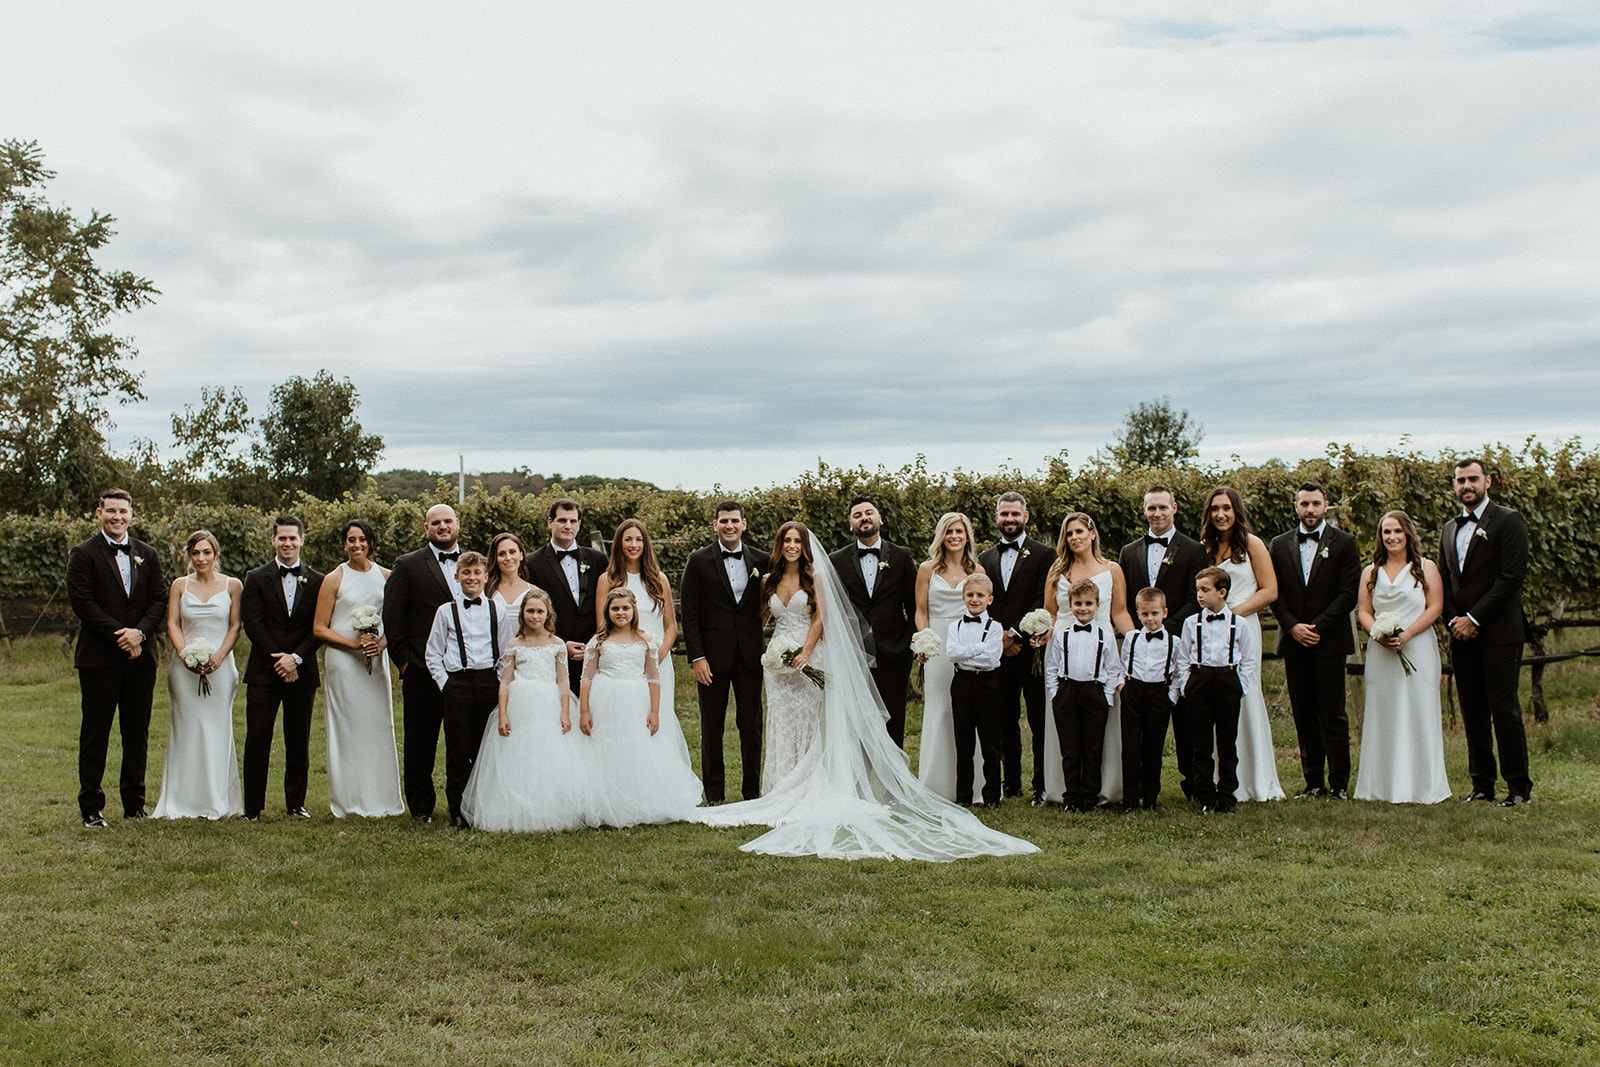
852	795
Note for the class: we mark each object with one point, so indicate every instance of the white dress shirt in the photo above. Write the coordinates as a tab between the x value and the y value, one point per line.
1091	656
124	561
1008	559
448	566
1154	554
291	584
1310	548
1217	639
975	646
1465	530
870	564
1151	656
569	567
443	653
738	570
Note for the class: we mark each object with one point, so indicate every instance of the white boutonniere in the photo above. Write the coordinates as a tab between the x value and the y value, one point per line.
299	579
583	568
1324	552
1168	561
755	573
1024	554
138	561
1482	533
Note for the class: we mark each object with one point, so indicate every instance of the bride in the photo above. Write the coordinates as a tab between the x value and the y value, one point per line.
852	795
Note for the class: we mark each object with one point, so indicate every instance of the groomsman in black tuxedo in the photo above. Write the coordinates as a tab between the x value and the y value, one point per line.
1483	558
569	573
418	583
1318	567
1018	566
721	600
882	582
1167	560
118	593
277	608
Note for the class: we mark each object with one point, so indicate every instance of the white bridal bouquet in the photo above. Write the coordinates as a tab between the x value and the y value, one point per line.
1388	624
779	659
195	655
367	620
926	644
1035	622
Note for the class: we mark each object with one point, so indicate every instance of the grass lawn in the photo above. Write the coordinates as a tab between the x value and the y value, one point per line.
1292	932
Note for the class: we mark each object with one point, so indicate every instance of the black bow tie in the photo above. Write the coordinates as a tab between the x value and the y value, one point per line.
1218	617
1313	535
566	553
1082	626
733	555
124	548
284	572
874	551
1154	635
449	557
1150	539
471	603
1009	546
971	618
1468	517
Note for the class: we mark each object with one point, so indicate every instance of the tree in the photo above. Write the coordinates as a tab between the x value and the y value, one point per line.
59	362
311	441
214	464
1154	436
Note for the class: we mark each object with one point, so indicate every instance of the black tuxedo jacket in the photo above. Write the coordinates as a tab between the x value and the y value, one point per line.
574	620
1324	600
716	628
891	611
1026	591
1175	579
94	589
1489	586
273	628
416	588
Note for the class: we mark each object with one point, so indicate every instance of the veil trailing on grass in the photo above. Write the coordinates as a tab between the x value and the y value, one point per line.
852	795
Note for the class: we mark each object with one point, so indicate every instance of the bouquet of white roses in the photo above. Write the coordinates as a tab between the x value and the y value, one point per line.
1389	624
195	655
366	620
779	659
1036	622
926	644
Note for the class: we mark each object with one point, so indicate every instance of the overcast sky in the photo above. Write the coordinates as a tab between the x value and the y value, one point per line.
713	242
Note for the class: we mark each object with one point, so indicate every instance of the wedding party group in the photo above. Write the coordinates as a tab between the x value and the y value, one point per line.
550	674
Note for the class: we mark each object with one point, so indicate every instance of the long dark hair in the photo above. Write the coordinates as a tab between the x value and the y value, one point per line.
769	584
649	570
494	563
1380	551
1238	542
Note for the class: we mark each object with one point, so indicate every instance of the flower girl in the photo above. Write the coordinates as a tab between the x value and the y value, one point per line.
644	762
534	771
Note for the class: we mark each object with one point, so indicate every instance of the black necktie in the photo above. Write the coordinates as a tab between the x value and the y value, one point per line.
1218	617
1314	535
733	555
1460	520
1154	635
862	552
566	553
1162	541
1009	546
284	572
1082	626
472	603
449	557
125	548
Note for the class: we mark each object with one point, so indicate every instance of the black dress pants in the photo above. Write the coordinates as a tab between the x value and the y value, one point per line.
1486	678
892	677
1316	696
1081	710
1019	688
975	711
1145	710
470	697
422	716
104	692
745	682
261	703
1213	695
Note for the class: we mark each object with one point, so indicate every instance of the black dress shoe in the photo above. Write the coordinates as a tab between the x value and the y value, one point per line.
459	822
1513	800
94	822
252	816
299	813
423	819
1476	795
1338	794
1310	792
1037	800
136	813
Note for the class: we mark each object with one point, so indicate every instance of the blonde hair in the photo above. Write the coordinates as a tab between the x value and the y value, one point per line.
1064	560
936	552
979	581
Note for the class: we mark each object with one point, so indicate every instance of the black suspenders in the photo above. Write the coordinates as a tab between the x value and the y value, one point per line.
494	631
1099	651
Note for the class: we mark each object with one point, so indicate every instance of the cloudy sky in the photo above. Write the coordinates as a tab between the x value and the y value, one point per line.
713	242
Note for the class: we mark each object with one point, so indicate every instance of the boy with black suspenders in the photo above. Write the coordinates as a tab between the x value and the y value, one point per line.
1082	673
1148	659
974	644
1216	664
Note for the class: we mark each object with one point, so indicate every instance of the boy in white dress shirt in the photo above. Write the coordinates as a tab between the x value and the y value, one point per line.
1082	672
1149	659
1216	664
974	644
463	657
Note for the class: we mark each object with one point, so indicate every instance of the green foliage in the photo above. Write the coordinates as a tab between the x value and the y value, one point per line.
1155	436
59	362
311	441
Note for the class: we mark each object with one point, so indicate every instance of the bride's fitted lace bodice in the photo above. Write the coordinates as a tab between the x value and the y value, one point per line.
792	619
1402	595
793	700
1064	617
614	659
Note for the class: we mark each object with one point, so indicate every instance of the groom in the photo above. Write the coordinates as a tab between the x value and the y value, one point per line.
720	598
881	580
1483	557
118	593
1318	568
569	573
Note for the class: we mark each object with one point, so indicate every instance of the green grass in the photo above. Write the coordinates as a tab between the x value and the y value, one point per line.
1287	933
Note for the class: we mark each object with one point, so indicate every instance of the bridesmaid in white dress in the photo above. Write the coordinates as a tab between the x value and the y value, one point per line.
1402	741
363	769
644	772
200	779
1230	545
508	574
794	702
1078	556
951	559
632	566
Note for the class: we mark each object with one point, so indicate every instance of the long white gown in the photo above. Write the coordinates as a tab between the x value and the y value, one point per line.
200	779
644	778
1402	740
652	622
793	700
363	768
936	756
536	778
1258	762
1111	752
852	795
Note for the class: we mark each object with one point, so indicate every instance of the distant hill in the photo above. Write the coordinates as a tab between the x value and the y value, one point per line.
404	484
